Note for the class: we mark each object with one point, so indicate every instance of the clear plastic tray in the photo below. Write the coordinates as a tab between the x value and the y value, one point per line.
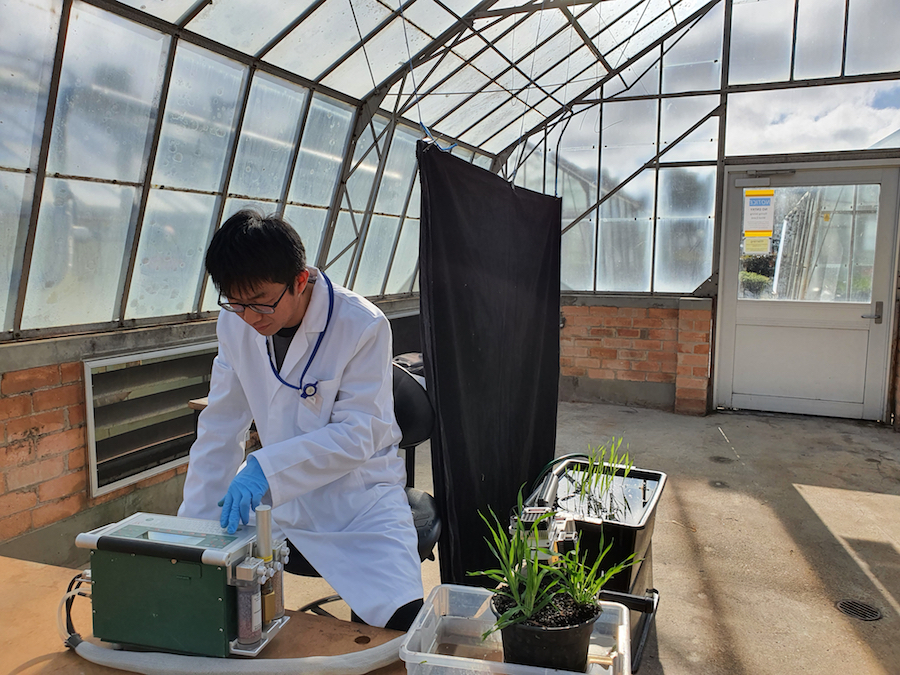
445	638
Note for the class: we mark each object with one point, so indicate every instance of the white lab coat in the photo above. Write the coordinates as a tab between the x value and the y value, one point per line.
335	476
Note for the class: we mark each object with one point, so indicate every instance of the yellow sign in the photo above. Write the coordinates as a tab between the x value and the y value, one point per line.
759	213
757	245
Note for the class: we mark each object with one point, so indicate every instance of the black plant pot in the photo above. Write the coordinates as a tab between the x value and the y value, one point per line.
564	648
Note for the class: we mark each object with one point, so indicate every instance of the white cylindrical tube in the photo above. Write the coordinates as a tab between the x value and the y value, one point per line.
264	532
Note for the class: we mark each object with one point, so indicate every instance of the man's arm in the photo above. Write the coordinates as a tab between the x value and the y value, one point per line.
362	422
219	449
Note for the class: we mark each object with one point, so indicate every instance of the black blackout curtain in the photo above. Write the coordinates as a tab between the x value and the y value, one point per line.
489	261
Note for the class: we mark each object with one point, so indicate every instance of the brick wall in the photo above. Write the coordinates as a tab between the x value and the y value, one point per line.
43	449
663	345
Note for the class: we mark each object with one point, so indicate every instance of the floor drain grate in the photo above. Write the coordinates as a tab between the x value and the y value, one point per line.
858	610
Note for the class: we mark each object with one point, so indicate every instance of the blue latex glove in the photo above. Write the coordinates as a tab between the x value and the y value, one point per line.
244	493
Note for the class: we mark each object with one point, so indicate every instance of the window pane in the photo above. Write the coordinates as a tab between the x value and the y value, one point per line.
694	62
199	123
246	25
268	135
233	205
872	29
170	254
309	224
814	119
210	297
27	28
405	260
79	247
170	10
629	137
15	195
359	184
341	253
577	256
679	115
398	171
108	93
820	38
625	247
321	152
376	254
761	35
684	229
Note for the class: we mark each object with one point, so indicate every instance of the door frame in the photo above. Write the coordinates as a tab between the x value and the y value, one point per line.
727	289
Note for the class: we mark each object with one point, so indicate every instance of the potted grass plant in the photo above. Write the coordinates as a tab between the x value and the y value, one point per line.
545	600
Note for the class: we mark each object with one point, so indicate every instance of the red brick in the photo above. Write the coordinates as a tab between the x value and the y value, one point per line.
693	360
701	349
19	381
668	346
646	366
14	406
572	310
571	331
628	333
681	393
77	458
572	372
613	364
631	375
56	444
685	382
631	355
685	370
601	374
695	314
700	371
684	336
181	469
56	511
590	343
16	454
633	312
604	311
619	321
650	345
58	397
690	407
667	378
33	426
566	361
63	486
71	372
663	334
662	313
110	496
38	472
668	366
159	478
587	363
573	352
616	343
648	323
14	502
15	525
582	320
603	353
668	357
603	332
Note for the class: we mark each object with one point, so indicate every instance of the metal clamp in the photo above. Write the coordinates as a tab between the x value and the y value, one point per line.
879	311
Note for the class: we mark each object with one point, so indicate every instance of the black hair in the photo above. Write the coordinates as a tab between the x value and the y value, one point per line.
250	249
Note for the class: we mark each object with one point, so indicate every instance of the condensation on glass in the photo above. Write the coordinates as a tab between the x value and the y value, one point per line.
686	201
693	58
821	249
628	137
625	236
680	114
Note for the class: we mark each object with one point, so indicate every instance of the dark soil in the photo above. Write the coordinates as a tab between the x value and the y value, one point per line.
559	612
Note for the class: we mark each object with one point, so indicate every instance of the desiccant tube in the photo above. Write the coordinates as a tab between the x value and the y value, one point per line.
249	614
278	590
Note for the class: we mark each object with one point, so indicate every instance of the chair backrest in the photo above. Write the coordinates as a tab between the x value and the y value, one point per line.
412	408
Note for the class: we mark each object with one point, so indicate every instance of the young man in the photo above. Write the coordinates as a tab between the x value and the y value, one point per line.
310	363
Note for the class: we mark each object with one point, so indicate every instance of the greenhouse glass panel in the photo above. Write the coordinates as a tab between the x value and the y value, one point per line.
428	16
376	253
507	136
580	158
625	241
446	96
761	36
232	206
385	53
530	173
628	135
15	205
462	153
246	25
340	254
415	199
326	35
168	10
872	29
210	297
684	230
577	256
27	28
170	254
529	34
325	137
575	65
679	115
649	30
493	64
814	119
365	166
268	137
309	223
406	259
694	62
639	79
199	123
820	38
398	171
483	161
601	15
108	93
491	30
78	258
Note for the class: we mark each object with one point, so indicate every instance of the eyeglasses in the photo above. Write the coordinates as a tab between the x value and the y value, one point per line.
239	307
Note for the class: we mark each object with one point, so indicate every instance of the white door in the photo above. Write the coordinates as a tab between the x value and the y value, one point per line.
807	290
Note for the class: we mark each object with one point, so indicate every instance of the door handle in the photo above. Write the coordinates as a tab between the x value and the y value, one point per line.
879	309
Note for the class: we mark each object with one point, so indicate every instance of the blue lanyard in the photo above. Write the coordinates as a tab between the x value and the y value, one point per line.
308	390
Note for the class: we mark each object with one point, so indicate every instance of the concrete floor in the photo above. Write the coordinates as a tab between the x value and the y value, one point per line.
765	523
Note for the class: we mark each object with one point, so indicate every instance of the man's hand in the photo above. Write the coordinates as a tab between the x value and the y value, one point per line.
244	493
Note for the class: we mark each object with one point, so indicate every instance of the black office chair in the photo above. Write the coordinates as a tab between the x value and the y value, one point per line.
415	417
